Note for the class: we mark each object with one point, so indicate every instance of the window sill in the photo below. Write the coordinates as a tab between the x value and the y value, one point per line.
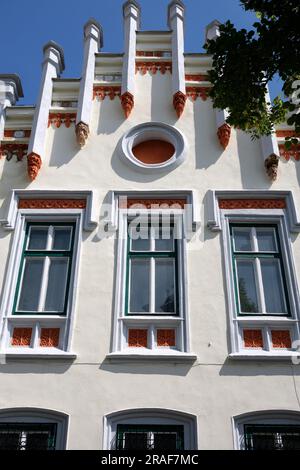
158	356
22	353
265	355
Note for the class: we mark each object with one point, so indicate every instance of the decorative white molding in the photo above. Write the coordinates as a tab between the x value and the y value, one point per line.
10	92
131	14
176	24
90	221
163	357
153	131
193	216
151	416
214	212
53	66
93	42
212	30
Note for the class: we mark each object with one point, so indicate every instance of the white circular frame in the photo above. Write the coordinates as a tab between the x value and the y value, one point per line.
154	131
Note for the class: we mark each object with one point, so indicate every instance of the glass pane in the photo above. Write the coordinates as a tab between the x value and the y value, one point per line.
164	285
61	238
140	238
37	441
165	441
164	239
38	238
57	281
273	289
139	285
266	239
135	441
31	285
9	440
261	437
247	287
242	239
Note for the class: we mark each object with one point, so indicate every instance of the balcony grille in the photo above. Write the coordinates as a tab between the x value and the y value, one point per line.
271	437
159	438
23	436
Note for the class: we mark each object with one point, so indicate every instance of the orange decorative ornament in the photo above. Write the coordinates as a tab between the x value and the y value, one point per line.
223	134
179	100
21	337
281	339
253	339
34	163
166	338
137	338
127	101
49	337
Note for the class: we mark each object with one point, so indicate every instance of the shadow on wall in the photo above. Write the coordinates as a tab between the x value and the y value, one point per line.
252	368
111	116
64	146
207	147
162	109
38	366
253	174
147	368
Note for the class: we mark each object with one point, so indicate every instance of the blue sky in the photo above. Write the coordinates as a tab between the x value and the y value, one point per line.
27	25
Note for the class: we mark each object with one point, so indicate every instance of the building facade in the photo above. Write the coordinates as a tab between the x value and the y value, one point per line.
150	257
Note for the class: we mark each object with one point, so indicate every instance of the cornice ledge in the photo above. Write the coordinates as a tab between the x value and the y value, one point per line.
214	212
90	220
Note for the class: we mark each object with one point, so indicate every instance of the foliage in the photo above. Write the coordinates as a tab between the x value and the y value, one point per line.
244	62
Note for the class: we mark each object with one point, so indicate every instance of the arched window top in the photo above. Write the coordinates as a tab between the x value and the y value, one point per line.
150	428
268	430
32	429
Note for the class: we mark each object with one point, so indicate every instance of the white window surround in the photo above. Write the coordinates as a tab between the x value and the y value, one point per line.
36	416
17	220
120	351
286	221
261	417
153	416
153	131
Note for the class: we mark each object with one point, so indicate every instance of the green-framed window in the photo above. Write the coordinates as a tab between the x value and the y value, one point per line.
260	283
44	273
27	436
151	275
272	437
150	437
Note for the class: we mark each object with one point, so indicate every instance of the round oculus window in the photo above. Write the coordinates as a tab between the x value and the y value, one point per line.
154	146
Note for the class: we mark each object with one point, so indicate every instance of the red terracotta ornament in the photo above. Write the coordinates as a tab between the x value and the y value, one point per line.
49	337
21	337
127	102
34	163
281	339
179	100
223	134
166	338
253	339
252	204
137	338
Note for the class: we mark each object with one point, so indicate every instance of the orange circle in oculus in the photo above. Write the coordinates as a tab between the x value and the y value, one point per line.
153	152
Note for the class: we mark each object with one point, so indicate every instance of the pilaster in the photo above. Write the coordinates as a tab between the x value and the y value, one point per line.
10	92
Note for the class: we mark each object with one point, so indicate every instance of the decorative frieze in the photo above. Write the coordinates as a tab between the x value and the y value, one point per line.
286	133
293	152
252	204
61	118
49	337
52	204
196	78
9	150
195	92
153	53
253	339
153	67
281	339
21	337
101	92
152	203
17	134
223	134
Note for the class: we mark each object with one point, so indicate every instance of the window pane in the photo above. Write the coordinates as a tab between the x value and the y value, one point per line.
57	281
140	238
37	440
242	240
38	238
266	240
272	437
139	285
61	238
165	441
135	441
31	285
273	289
164	285
9	441
164	239
247	287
